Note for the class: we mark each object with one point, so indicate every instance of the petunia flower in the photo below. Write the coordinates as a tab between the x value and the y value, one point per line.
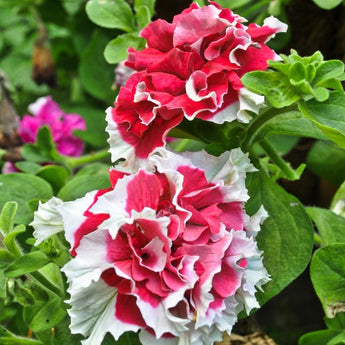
190	68
47	112
169	252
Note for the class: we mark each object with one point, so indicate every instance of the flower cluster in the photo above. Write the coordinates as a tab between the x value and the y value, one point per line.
190	69
173	251
168	250
46	112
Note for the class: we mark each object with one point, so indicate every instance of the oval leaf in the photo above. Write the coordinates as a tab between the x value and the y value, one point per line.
329	116
26	264
116	50
80	185
45	316
113	14
286	236
22	188
331	226
327	272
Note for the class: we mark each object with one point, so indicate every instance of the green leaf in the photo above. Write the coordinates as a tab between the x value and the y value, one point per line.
113	14
44	316
328	70
10	240
327	4
94	169
23	188
234	3
28	167
80	185
330	226
55	175
150	4
95	75
286	237
5	256
329	116
338	340
7	215
26	264
143	16
327	160
8	338
318	337
62	334
3	281
273	85
336	323
44	149
287	123
297	72
116	50
327	272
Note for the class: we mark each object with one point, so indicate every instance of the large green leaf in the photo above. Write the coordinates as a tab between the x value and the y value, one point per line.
114	14
22	188
327	4
329	116
330	226
80	185
287	123
327	272
95	74
26	264
286	236
327	160
44	316
318	337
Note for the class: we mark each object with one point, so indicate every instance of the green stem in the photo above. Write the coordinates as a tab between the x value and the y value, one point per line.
275	157
255	7
259	121
39	277
92	157
317	240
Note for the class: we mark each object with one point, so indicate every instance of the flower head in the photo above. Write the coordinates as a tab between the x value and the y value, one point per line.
170	252
47	112
191	68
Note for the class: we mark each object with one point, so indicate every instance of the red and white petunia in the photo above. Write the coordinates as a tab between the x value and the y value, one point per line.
169	252
190	68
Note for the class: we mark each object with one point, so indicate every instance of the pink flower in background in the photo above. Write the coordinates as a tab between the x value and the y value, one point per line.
190	69
171	252
47	112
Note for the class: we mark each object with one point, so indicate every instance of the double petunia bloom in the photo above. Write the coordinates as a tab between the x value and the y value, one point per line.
169	250
190	69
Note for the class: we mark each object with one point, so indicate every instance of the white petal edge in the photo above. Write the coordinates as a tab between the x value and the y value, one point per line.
47	220
93	313
119	149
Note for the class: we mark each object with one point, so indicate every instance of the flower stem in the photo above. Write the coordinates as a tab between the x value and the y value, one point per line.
255	126
276	158
317	240
92	157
